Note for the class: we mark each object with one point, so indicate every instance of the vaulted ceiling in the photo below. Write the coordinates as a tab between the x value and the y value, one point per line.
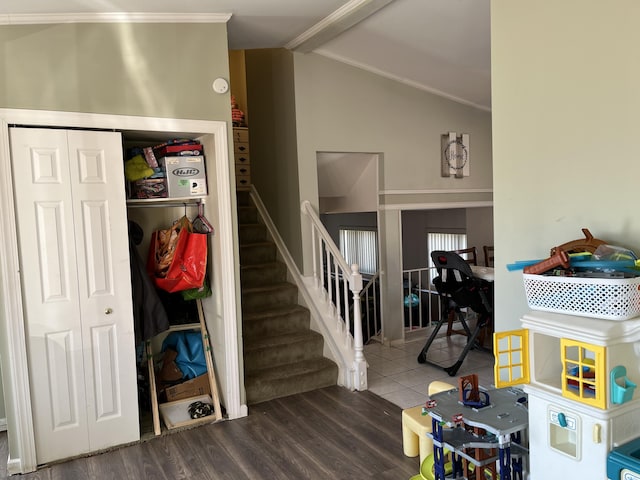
442	46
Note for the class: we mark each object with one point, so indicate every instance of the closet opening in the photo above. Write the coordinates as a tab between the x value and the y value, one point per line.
17	337
167	186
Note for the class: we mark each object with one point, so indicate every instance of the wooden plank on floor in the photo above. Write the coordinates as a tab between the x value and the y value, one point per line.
331	433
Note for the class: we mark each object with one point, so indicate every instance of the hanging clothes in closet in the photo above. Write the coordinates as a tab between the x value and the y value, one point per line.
149	314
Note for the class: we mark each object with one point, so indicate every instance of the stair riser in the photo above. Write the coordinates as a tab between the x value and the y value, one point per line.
262	275
258	253
283	354
247	215
276	325
252	233
259	301
258	391
243	197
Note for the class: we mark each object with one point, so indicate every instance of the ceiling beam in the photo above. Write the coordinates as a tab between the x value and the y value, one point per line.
350	14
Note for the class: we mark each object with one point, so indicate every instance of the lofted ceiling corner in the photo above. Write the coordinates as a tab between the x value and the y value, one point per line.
439	46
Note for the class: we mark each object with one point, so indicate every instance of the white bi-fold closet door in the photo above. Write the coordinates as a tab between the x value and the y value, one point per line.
74	258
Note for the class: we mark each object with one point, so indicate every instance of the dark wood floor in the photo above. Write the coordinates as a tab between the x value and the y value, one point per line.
326	434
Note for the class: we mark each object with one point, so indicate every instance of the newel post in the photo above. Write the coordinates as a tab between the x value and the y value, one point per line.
359	362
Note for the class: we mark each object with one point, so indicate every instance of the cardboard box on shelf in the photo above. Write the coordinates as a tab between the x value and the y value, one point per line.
190	388
186	176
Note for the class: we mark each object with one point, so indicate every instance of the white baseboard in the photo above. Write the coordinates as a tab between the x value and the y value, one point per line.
14	466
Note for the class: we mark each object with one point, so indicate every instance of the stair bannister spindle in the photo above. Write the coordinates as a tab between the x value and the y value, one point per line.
328	271
360	364
336	278
315	237
319	278
345	300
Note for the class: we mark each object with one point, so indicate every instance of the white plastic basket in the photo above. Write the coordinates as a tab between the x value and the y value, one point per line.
610	299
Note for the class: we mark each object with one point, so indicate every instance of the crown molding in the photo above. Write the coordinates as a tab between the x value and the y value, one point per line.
334	24
112	17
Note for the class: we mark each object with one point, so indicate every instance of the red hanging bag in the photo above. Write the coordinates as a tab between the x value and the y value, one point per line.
178	257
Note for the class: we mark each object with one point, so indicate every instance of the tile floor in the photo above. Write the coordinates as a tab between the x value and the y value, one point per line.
395	374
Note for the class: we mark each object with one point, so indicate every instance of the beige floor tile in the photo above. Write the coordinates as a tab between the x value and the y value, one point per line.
395	374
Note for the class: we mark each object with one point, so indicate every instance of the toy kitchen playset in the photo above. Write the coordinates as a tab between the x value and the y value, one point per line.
578	357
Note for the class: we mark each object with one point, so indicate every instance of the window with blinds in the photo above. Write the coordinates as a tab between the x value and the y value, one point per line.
446	242
360	246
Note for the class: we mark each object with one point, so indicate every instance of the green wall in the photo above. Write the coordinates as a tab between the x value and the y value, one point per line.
272	139
565	93
161	70
153	70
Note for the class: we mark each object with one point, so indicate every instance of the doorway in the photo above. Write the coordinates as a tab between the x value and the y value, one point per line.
420	302
348	208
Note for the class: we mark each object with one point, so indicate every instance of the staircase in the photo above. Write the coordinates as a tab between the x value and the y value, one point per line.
282	355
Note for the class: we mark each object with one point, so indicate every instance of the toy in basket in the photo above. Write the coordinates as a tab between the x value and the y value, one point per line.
609	299
585	277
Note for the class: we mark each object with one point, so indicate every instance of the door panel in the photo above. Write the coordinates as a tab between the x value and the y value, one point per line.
98	249
105	365
50	285
74	248
50	236
97	173
62	380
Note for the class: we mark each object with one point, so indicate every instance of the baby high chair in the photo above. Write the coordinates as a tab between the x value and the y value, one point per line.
459	289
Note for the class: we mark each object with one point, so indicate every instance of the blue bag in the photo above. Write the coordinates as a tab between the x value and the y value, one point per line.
190	359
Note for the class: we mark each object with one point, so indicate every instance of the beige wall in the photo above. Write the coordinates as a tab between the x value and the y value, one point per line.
565	79
340	108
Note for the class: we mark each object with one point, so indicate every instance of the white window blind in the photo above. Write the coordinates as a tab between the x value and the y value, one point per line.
361	247
446	242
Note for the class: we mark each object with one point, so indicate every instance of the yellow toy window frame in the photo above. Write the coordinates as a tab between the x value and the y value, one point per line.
583	372
511	353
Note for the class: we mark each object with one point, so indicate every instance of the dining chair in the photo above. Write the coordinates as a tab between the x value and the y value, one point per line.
469	255
488	255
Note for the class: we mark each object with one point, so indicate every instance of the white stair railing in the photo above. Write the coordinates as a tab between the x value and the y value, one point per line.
370	297
420	298
337	281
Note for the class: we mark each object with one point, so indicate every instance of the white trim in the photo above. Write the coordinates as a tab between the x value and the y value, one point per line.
436	206
436	190
111	17
337	22
406	81
17	370
13	466
233	403
382	245
16	373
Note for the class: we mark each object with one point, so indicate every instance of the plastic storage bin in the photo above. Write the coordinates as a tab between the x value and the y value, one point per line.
609	299
623	463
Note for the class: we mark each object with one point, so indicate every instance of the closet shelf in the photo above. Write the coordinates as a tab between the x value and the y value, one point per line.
165	202
184	326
